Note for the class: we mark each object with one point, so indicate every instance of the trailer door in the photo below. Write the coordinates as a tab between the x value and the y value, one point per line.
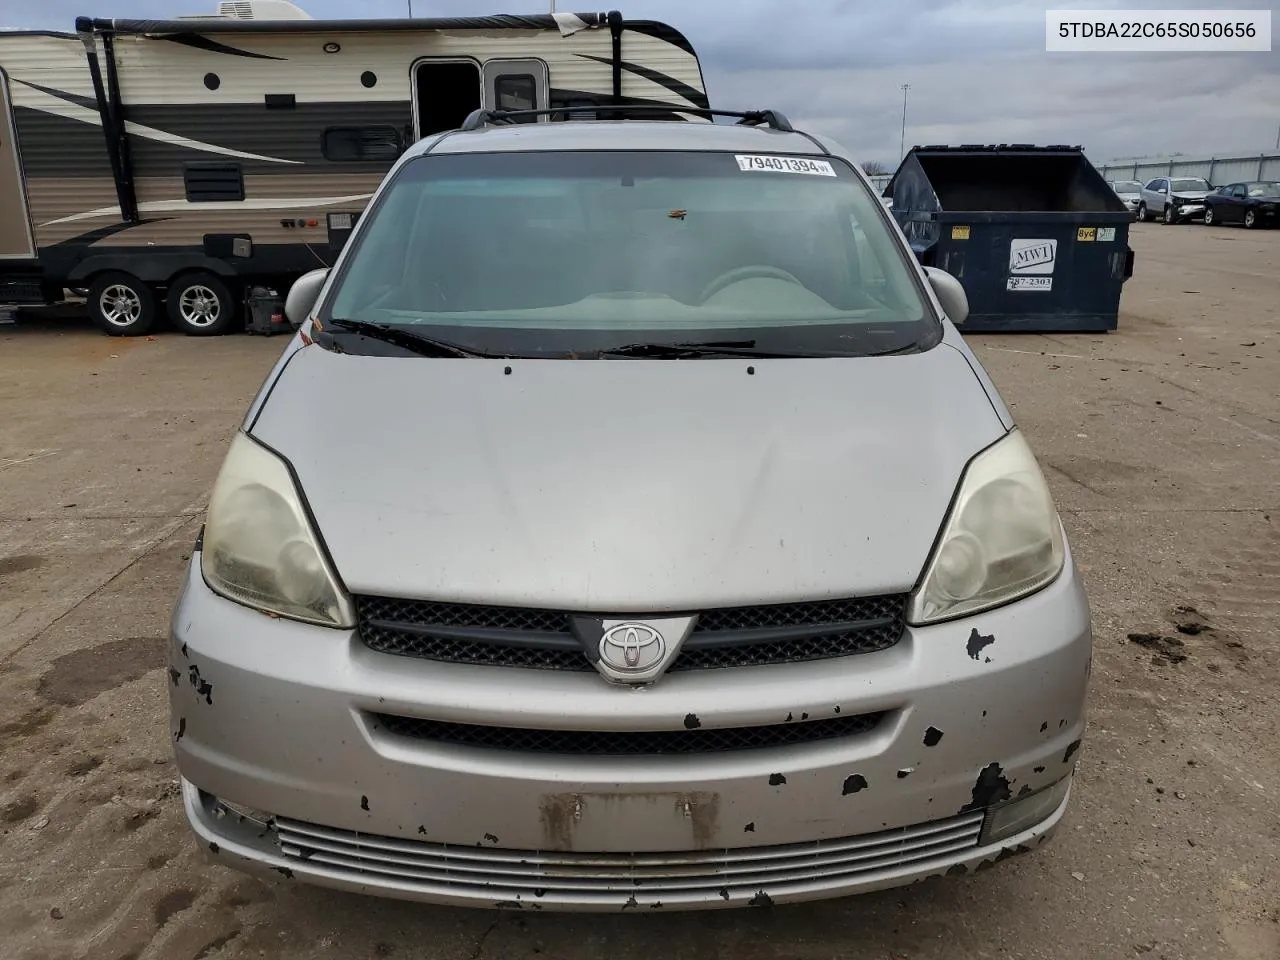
16	240
516	85
445	90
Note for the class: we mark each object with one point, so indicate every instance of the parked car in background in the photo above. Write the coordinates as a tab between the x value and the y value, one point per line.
1130	192
1174	200
1255	204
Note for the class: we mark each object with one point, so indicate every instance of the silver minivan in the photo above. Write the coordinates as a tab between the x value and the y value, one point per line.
627	526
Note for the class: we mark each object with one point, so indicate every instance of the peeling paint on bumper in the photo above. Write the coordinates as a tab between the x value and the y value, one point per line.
966	724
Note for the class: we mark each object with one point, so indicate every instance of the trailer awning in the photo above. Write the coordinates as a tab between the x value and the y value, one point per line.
564	22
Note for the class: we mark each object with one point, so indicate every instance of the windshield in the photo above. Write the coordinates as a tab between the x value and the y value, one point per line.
1190	183
1126	186
566	253
1264	189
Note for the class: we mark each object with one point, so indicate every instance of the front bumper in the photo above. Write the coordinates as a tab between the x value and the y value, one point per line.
1189	211
274	716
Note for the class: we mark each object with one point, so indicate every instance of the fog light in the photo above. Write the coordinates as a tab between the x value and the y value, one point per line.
1012	818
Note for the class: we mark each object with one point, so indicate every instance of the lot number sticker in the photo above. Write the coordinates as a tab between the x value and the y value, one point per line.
1087	234
757	164
1032	257
1030	283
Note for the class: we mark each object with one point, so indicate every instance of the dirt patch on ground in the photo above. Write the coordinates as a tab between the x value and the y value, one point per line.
77	677
20	564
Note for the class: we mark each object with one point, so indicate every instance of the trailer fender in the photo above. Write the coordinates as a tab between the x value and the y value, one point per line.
148	267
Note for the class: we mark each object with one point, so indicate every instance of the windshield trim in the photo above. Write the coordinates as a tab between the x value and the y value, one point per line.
930	315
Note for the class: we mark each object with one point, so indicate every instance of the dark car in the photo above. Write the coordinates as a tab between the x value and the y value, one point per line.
1255	203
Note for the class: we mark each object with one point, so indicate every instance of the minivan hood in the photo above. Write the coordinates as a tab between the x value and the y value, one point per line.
628	485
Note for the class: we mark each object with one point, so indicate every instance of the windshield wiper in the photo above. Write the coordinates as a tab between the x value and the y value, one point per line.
729	348
419	343
699	348
911	347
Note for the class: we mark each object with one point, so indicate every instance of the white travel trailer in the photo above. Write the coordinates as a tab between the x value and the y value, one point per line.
170	165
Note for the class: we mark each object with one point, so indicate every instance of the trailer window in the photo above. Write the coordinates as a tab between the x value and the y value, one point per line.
352	144
516	92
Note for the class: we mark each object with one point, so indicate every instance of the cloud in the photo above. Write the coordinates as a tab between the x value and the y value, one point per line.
978	70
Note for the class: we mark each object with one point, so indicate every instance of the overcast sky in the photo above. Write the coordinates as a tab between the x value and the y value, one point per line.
978	69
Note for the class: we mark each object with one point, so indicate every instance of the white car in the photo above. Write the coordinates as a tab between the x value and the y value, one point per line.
1129	192
1174	200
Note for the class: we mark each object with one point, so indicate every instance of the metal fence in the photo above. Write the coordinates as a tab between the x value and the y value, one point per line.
1217	170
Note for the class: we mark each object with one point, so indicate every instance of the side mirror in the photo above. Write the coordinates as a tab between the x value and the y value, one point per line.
303	294
955	303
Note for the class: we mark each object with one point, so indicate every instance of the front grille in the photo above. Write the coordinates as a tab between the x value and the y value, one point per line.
744	636
627	743
605	880
543	639
460	633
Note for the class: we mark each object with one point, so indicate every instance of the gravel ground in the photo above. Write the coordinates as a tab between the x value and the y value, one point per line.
1162	444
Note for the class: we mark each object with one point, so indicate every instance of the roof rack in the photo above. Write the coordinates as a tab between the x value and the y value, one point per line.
478	119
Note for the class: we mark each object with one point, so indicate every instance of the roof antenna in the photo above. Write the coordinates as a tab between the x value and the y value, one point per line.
410	9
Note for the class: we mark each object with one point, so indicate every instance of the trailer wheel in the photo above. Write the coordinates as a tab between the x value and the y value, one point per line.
201	305
121	305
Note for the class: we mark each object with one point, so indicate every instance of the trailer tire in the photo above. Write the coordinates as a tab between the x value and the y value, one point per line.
201	305
121	305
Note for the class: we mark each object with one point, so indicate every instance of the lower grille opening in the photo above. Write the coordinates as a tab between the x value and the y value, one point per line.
628	743
686	876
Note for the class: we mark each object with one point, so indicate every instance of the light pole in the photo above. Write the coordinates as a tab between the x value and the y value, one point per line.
902	144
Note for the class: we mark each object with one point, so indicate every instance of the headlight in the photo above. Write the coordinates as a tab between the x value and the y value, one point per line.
259	548
1002	539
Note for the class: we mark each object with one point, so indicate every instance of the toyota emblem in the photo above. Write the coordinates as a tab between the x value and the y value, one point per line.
631	648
